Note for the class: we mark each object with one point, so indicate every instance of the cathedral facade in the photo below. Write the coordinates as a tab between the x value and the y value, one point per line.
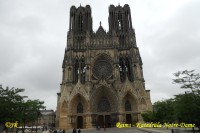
102	81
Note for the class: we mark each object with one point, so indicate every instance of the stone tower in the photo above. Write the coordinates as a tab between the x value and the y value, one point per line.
102	79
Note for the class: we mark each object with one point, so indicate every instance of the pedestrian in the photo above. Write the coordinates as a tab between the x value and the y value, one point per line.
17	130
79	130
74	130
54	131
63	130
60	131
96	127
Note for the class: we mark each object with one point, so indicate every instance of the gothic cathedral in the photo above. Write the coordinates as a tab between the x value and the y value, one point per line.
102	81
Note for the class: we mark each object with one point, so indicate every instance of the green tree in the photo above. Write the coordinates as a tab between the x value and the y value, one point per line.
188	80
184	107
31	109
10	101
14	107
163	111
187	106
148	116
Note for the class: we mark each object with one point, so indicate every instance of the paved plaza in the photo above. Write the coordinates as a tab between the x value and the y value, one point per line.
135	130
111	130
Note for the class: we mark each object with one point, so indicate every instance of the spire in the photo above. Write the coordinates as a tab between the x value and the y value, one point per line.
100	23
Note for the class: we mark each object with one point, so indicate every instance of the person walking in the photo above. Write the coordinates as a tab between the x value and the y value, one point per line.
74	130
54	131
96	127
79	130
60	131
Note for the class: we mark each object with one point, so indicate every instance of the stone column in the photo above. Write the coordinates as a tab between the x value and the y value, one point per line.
139	117
88	121
121	117
69	122
63	123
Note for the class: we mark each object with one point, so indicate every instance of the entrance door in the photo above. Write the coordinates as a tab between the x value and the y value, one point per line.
128	119
107	121
101	121
79	122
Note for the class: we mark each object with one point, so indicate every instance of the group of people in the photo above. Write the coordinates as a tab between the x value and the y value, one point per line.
74	130
63	131
57	131
98	127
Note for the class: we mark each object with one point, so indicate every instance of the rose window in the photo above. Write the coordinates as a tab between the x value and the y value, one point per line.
102	69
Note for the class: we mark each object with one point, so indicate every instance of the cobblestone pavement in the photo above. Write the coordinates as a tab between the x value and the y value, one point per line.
165	130
111	130
132	130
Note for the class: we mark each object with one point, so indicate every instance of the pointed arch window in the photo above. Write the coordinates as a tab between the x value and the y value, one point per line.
122	40
120	22
122	69
82	70
76	70
80	108
80	22
127	106
129	71
126	20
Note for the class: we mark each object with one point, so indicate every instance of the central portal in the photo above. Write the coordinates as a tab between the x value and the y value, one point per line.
107	121
104	120
101	121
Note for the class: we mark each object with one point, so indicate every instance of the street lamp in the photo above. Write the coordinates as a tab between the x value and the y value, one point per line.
38	113
22	109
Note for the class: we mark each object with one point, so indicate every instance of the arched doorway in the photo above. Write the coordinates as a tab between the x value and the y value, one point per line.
79	106
100	121
107	121
79	122
104	103
128	119
129	102
104	120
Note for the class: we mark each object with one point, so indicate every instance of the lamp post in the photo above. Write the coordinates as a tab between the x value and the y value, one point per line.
53	120
24	115
38	113
22	109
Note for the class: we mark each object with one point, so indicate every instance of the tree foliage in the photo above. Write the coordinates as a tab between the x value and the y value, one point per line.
14	107
10	101
184	107
187	108
149	116
163	111
188	80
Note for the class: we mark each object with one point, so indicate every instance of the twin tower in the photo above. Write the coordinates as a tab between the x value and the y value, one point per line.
102	81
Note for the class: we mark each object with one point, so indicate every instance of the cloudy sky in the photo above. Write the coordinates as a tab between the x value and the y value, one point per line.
33	38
